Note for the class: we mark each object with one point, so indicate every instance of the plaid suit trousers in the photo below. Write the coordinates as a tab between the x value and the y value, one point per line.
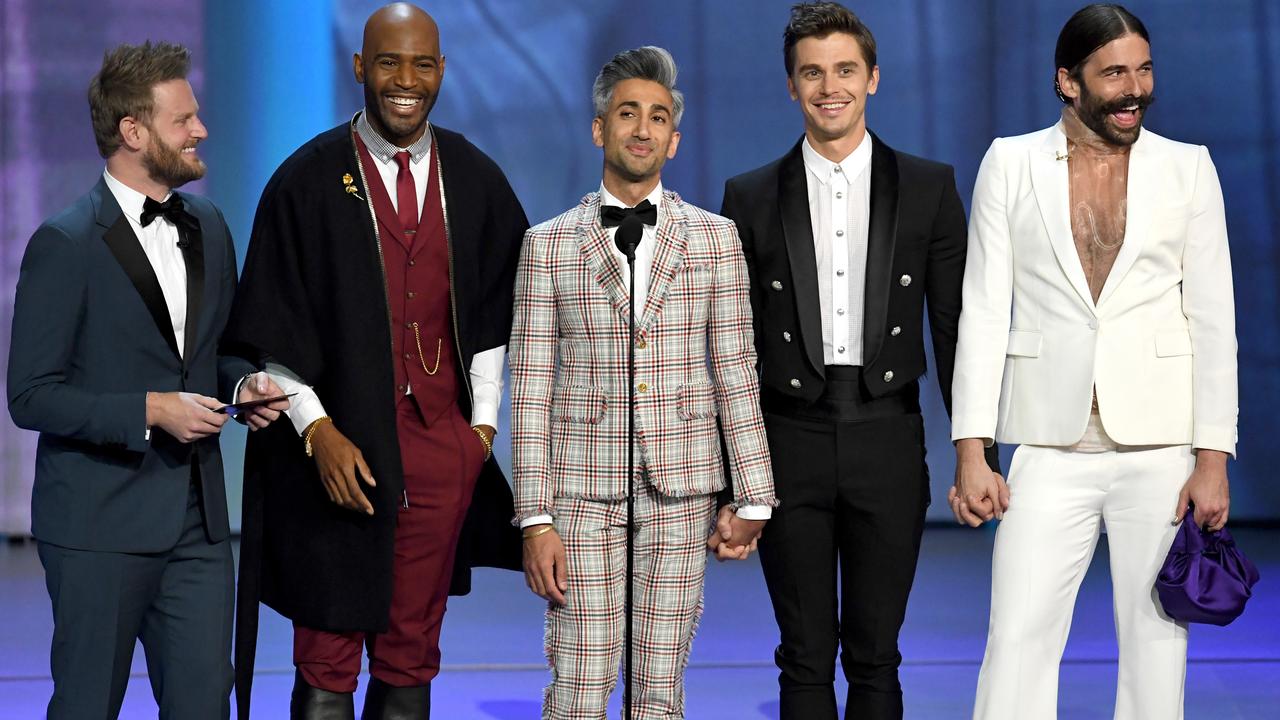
584	639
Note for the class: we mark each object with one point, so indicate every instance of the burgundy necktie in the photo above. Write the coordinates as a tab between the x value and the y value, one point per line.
406	195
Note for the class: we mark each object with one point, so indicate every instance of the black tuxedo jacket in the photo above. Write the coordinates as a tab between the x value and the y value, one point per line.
91	336
916	243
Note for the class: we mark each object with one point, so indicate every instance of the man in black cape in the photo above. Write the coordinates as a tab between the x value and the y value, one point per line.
378	285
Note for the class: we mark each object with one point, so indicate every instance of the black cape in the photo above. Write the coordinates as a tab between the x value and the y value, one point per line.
312	297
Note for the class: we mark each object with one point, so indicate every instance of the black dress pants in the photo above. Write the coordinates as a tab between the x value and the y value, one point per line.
178	602
853	486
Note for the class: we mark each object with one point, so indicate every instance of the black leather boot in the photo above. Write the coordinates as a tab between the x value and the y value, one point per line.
312	703
387	702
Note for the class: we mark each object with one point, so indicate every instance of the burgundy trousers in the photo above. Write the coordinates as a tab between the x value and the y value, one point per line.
442	458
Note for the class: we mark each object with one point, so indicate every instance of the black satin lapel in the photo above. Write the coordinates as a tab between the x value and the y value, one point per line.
128	252
882	231
193	258
793	204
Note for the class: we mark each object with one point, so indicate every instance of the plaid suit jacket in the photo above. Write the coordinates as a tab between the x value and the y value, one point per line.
695	361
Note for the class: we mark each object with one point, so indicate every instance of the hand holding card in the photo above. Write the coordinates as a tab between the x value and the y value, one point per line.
237	408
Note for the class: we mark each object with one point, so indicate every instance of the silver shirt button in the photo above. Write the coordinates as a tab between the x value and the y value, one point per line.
888	376
840	311
795	383
839	233
840	273
905	280
840	349
895	331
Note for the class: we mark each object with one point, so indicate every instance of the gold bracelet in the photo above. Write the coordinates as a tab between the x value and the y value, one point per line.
311	431
540	531
488	444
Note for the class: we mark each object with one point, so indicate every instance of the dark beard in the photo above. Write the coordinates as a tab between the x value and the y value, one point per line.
394	130
1094	110
166	166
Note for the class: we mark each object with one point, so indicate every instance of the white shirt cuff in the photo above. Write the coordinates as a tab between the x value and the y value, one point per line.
305	406
755	512
486	385
535	520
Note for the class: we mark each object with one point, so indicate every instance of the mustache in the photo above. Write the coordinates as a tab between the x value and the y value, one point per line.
1142	101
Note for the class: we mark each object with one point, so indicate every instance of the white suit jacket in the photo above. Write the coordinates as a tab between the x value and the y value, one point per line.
1160	343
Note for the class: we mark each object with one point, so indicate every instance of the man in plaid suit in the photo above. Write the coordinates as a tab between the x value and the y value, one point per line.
695	361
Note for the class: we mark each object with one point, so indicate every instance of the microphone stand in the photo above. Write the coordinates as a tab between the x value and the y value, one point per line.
631	500
630	226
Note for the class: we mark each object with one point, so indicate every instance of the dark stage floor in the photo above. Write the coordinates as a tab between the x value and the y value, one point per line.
494	664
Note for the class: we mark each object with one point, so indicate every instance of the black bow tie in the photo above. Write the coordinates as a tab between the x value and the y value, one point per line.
172	210
612	215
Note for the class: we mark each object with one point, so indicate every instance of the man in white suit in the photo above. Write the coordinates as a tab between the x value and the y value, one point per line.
1098	334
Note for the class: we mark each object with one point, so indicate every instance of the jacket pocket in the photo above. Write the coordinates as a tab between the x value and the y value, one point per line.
695	400
1023	343
1171	343
579	404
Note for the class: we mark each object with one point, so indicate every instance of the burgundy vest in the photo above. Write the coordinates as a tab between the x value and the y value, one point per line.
417	271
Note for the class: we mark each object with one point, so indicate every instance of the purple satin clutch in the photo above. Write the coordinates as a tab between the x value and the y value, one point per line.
1205	578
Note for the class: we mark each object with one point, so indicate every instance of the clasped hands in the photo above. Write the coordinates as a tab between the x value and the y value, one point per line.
734	538
980	493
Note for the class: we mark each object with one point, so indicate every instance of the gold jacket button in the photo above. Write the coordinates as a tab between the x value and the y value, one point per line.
905	280
896	331
786	336
888	376
776	285
795	383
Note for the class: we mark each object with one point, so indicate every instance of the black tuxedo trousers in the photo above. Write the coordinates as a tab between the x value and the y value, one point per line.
839	554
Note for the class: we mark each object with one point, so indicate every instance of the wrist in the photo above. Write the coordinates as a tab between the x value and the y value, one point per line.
485	433
534	531
241	385
1212	459
153	408
309	435
971	450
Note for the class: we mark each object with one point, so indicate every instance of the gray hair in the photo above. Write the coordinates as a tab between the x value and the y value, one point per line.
643	63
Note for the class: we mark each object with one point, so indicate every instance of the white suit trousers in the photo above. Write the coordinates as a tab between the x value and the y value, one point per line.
1059	498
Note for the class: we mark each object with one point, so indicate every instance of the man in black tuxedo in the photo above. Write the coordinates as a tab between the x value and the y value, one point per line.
120	306
847	242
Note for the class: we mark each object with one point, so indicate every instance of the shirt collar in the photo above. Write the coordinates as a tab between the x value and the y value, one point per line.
384	149
129	200
654	196
851	166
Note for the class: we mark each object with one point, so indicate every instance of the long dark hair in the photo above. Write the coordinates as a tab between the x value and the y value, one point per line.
1089	29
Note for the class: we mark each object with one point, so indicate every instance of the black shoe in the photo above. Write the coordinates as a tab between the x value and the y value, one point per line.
312	703
387	702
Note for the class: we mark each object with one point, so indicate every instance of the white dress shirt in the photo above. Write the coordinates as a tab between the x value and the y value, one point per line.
644	251
839	209
644	262
486	366
159	241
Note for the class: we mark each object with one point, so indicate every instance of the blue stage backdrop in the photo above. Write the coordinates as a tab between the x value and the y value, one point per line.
953	76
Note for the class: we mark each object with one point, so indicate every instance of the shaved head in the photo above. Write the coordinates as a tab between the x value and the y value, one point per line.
395	18
401	67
